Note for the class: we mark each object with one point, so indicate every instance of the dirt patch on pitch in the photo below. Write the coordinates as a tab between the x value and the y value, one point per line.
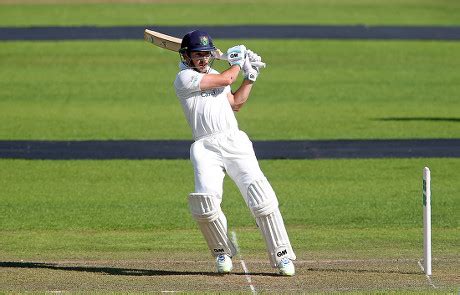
185	275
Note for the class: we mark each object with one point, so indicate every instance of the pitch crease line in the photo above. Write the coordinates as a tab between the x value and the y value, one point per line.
246	271
428	278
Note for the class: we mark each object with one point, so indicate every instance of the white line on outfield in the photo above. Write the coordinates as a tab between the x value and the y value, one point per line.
298	261
376	260
246	271
428	278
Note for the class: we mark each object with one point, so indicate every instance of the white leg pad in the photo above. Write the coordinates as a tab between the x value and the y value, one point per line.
205	209
264	206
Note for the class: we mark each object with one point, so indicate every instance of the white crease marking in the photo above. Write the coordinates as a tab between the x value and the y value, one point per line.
246	271
428	278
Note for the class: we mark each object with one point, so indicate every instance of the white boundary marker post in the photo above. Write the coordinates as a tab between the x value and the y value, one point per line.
427	220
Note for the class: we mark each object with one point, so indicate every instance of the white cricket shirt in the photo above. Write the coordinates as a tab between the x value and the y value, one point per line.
207	111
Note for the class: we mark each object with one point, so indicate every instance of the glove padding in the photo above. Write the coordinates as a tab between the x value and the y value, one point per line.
256	60
236	55
250	72
253	57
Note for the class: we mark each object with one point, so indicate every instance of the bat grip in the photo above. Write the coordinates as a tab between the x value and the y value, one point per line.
223	56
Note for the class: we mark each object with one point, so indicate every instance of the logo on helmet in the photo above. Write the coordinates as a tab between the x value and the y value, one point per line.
204	40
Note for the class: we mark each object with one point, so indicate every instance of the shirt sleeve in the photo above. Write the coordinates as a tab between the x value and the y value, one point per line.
227	89
187	81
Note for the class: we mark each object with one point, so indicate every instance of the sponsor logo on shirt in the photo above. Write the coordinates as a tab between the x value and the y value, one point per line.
211	92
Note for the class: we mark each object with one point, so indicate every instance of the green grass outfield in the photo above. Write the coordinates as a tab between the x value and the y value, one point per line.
310	90
124	226
91	195
370	12
135	210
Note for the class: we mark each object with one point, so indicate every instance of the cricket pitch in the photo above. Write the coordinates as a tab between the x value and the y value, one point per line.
185	275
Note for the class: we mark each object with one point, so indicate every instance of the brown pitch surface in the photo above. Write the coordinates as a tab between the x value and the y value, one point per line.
183	274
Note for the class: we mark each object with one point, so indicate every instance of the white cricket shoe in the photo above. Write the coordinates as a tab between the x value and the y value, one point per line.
224	263
286	267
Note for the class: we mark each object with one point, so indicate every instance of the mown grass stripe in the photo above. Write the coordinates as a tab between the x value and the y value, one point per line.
237	31
179	149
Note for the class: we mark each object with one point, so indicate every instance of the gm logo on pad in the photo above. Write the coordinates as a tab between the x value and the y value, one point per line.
281	253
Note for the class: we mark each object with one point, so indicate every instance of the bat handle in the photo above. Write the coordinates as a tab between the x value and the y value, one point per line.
220	55
258	64
223	56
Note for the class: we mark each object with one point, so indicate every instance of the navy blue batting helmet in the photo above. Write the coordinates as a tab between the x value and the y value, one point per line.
197	41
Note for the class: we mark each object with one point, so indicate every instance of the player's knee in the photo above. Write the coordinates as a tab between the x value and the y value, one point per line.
209	188
204	207
261	198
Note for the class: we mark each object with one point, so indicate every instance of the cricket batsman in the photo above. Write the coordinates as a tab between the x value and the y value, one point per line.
220	148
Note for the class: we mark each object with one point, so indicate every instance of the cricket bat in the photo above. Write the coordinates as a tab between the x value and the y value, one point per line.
173	44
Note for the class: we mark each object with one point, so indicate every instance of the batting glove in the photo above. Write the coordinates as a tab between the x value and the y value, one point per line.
236	55
250	72
253	56
256	60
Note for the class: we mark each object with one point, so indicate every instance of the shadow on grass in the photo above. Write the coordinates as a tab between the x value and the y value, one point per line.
427	119
115	271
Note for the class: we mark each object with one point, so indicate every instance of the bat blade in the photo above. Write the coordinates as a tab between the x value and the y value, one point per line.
162	40
170	42
173	44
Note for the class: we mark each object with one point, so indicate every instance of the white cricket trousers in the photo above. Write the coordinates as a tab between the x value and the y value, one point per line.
229	151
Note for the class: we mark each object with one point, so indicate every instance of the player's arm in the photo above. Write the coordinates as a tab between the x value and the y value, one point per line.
240	96
223	79
236	58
